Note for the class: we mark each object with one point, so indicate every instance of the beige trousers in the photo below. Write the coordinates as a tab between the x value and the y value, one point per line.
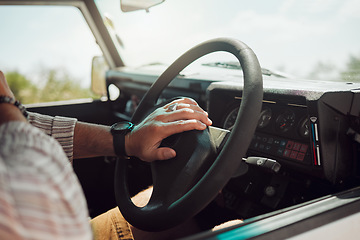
111	225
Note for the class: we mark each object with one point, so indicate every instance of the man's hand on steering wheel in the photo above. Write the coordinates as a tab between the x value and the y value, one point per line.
177	116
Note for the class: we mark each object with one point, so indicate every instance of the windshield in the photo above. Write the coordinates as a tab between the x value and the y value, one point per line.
313	39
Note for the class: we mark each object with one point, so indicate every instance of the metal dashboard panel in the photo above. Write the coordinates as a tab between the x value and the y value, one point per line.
321	109
310	89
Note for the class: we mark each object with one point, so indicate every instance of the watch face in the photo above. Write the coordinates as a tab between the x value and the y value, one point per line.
122	127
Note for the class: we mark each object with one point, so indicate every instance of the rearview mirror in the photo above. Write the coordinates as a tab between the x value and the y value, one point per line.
133	5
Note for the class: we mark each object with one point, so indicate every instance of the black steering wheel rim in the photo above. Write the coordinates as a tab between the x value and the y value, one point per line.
158	217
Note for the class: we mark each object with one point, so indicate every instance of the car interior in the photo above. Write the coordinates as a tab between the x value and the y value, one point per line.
282	154
304	147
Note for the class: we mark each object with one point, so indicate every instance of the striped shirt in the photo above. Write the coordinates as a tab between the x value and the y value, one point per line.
40	196
60	128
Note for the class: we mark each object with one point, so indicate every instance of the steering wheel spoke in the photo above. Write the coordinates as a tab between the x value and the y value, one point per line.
175	177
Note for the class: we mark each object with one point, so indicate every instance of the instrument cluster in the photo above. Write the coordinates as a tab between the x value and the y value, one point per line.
283	132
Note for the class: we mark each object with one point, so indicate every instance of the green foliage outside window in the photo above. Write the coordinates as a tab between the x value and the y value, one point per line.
352	73
55	85
58	85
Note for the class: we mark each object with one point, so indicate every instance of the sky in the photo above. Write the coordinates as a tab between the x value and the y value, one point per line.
287	35
34	38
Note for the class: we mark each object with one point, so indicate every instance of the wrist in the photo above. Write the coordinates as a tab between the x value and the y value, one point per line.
6	99
10	113
11	110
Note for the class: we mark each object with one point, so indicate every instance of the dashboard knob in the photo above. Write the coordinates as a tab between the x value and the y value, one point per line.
270	191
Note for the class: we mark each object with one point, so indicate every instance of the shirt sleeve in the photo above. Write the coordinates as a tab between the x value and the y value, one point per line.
60	128
40	196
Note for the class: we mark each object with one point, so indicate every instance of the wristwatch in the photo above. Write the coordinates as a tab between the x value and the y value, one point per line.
119	130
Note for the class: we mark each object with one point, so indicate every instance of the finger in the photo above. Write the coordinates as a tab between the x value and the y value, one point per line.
164	153
188	100
171	128
191	106
182	101
188	114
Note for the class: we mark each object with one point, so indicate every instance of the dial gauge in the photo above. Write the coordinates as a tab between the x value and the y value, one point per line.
230	119
285	121
265	117
264	120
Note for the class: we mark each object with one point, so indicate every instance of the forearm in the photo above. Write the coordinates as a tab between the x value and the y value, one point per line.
78	139
91	140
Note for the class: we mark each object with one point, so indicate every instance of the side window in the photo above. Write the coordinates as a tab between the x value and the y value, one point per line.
46	52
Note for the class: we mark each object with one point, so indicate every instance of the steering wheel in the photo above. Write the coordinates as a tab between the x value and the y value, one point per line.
184	185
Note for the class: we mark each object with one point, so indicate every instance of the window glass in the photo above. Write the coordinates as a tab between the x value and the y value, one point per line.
46	52
311	39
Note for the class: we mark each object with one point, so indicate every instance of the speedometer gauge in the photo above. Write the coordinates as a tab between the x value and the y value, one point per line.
230	119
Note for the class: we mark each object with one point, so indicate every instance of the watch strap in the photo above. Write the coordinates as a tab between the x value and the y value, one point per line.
119	144
119	131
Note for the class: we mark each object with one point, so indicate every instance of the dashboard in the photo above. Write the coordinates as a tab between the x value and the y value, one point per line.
304	127
284	132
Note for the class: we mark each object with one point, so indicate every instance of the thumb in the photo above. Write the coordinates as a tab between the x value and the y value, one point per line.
165	153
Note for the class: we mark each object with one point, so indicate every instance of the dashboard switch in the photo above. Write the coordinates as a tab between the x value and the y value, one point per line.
268	163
